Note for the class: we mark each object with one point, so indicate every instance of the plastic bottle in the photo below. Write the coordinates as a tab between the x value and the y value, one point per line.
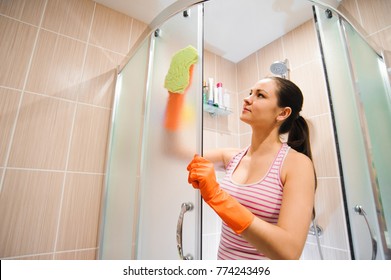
204	92
211	87
220	95
215	97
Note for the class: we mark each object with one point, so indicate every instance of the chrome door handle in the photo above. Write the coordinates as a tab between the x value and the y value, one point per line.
360	211
184	208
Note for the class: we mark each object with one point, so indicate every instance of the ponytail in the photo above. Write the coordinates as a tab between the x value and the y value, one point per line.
299	137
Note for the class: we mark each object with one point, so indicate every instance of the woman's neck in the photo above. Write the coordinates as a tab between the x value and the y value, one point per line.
264	142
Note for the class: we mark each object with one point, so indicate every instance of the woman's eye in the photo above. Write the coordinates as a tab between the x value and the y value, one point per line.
257	94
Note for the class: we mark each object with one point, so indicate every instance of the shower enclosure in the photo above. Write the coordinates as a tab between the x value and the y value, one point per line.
145	179
150	212
360	94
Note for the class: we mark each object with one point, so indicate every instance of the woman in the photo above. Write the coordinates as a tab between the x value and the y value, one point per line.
266	198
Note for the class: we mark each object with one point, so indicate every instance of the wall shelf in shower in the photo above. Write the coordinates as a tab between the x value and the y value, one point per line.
216	111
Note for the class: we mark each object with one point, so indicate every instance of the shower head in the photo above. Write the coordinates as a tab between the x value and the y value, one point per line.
280	68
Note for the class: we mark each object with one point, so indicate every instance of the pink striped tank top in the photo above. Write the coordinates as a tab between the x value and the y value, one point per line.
262	198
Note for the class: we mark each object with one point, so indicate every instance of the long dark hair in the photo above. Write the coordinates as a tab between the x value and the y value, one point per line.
290	95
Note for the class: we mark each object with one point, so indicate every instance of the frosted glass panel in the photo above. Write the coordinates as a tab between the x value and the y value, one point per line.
375	96
120	198
164	184
360	104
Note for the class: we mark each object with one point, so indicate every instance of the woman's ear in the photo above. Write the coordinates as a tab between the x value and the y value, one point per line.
284	114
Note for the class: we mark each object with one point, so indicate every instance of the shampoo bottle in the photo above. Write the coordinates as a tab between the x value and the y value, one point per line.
220	95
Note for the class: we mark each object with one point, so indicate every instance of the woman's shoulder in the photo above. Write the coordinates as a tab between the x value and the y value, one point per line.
296	162
294	158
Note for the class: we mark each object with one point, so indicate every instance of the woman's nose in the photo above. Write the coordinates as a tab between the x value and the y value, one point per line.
247	99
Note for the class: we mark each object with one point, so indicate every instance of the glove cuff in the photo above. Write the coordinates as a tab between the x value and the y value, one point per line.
234	214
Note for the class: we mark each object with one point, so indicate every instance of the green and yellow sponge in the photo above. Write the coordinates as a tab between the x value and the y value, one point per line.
178	80
178	77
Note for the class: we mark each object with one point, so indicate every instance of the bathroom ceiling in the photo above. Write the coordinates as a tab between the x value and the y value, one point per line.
234	28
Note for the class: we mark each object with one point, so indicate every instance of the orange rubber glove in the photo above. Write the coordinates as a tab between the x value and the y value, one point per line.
202	176
174	107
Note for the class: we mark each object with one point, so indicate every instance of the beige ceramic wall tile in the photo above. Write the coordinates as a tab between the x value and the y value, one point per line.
138	28
209	139
350	9
226	74
42	133
323	148
9	101
310	79
209	121
99	77
29	205
88	149
247	72
77	255
107	21
301	45
36	257
311	252
57	66
16	44
335	254
223	124
236	105
23	10
228	123
80	212
226	140
2	171
383	39
42	64
330	214
69	17
375	14
269	54
209	66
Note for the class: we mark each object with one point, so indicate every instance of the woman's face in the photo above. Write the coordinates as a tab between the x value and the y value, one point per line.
260	107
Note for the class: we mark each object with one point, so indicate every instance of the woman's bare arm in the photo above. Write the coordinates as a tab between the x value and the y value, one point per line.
286	239
220	157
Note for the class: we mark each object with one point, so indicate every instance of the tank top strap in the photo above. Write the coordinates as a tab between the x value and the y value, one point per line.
235	161
278	161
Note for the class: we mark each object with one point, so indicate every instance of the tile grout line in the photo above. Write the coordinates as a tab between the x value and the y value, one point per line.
70	139
10	142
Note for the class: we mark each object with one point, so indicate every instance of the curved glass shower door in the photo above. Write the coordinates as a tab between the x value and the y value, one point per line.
375	97
146	184
361	103
120	199
164	187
